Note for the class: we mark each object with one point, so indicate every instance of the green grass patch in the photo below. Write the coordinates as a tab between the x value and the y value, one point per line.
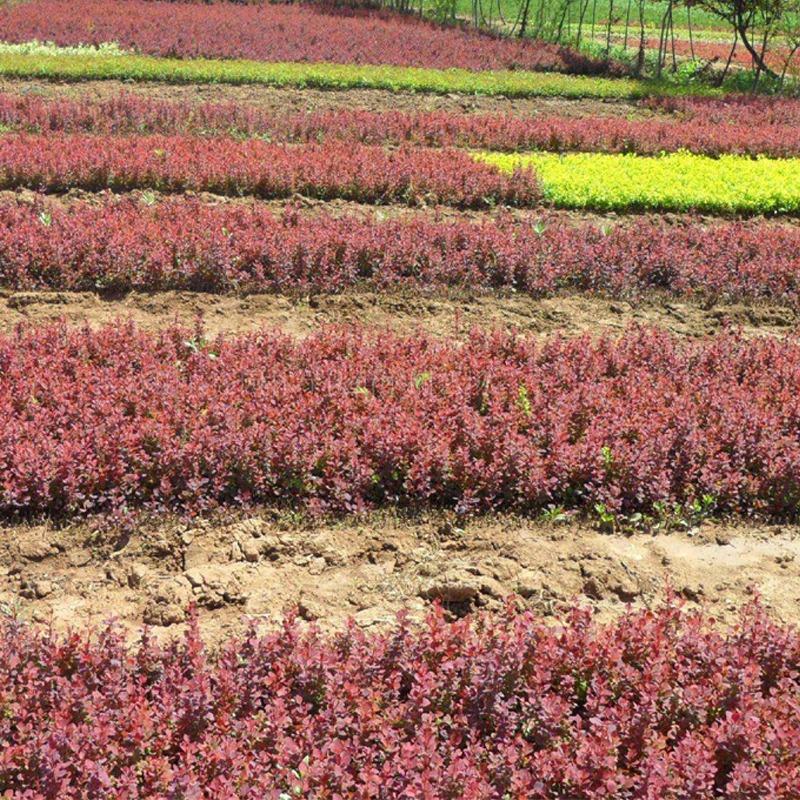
600	11
673	182
58	66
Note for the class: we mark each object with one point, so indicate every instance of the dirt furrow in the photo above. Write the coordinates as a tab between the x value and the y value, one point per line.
262	565
282	100
440	315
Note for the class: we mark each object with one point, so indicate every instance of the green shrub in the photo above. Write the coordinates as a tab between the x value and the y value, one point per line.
673	182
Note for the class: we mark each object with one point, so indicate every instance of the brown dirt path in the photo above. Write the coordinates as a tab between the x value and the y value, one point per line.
405	312
263	565
288	100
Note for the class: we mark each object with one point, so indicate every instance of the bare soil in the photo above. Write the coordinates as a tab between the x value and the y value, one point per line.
302	100
261	566
406	312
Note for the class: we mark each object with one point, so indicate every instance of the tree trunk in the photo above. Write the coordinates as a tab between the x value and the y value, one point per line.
642	41
758	58
608	27
584	7
672	39
524	24
627	25
730	58
662	42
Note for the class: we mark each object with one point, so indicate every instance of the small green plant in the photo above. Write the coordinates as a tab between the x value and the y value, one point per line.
609	521
200	346
421	379
581	688
555	515
524	402
606	519
675	516
700	509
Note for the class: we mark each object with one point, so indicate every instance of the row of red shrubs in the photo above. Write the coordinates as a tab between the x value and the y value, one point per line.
129	112
125	245
116	419
744	109
133	114
279	32
659	705
370	174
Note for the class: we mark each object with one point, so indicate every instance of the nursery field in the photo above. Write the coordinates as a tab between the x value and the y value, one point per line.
423	404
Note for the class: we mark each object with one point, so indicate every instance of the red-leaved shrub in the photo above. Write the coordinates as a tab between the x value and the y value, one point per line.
132	114
347	419
278	32
659	705
185	244
365	173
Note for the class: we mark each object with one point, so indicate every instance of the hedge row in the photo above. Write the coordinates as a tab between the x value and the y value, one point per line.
371	174
132	114
227	167
117	419
184	244
280	33
659	705
673	182
510	83
744	109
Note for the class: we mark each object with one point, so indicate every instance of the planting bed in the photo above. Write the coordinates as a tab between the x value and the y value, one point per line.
278	33
116	420
126	113
670	182
484	709
267	349
280	101
225	166
110	246
61	65
410	174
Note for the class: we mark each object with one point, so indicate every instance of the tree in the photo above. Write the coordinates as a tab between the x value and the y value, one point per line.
790	31
750	19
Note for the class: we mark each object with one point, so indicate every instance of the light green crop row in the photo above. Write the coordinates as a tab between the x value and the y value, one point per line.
673	182
58	66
